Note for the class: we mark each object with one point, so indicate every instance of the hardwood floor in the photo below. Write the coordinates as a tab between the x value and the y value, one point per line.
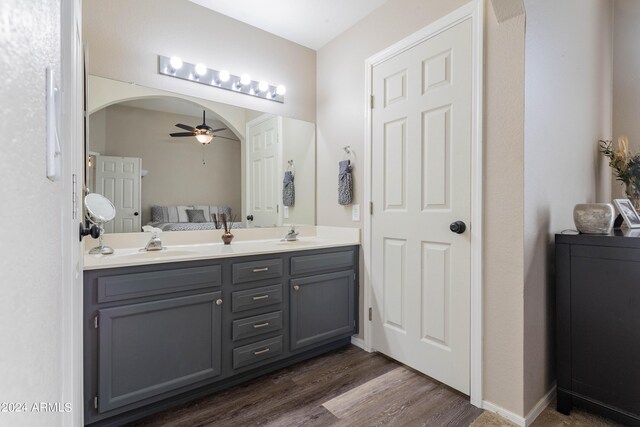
348	387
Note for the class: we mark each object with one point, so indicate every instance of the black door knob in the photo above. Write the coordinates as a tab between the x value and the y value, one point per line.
250	217
136	214
458	227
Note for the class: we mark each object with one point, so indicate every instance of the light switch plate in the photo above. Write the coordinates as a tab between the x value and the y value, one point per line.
285	211
355	212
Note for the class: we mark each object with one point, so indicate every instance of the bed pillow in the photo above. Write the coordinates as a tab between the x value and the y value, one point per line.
159	214
195	215
206	210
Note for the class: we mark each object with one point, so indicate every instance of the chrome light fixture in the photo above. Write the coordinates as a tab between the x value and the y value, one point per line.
222	79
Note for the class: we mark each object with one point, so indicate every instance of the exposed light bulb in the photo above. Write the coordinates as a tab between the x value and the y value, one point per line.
176	62
263	86
245	79
204	138
224	76
201	69
281	90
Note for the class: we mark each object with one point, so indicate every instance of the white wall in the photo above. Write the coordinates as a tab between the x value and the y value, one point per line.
299	145
124	38
176	173
31	215
626	69
567	110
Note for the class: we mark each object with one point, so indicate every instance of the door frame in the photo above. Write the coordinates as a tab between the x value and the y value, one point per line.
247	164
474	10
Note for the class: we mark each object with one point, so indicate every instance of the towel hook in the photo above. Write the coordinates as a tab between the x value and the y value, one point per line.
349	154
291	167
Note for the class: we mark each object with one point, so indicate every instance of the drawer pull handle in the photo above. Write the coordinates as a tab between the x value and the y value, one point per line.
260	297
218	302
296	287
261	325
260	270
255	353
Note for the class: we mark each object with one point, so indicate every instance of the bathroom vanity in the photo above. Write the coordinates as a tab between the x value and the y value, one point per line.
160	334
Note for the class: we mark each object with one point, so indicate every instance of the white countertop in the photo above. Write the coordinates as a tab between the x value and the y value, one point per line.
201	245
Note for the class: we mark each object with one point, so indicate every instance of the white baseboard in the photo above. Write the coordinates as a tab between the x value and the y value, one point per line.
531	416
540	406
359	342
504	413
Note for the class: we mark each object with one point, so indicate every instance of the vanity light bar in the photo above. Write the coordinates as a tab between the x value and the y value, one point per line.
199	73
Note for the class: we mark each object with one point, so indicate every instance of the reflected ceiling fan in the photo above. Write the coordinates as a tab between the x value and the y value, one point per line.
203	133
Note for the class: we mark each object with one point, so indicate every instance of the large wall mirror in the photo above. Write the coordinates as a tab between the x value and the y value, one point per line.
178	183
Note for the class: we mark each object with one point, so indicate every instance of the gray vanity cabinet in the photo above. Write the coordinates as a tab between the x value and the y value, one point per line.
159	335
153	347
322	307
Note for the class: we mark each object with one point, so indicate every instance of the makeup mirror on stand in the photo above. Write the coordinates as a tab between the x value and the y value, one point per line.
100	210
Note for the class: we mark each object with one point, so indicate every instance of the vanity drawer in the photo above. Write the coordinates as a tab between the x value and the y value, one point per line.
257	270
322	262
256	298
256	352
137	285
257	325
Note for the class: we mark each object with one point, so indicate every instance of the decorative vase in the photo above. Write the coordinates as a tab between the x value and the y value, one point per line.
594	218
227	238
633	193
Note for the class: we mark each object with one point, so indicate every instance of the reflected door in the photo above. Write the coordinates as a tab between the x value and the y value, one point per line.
264	172
118	179
421	154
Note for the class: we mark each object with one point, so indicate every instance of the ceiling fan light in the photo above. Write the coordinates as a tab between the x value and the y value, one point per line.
201	69
175	62
224	76
204	138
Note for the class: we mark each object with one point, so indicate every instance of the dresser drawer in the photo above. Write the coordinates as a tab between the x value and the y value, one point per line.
137	285
257	352
257	325
256	298
322	262
257	270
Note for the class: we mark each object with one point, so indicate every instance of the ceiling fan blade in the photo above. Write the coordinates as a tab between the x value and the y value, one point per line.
224	137
186	127
183	134
218	130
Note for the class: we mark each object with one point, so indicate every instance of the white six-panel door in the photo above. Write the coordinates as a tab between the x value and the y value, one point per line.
264	172
119	180
421	163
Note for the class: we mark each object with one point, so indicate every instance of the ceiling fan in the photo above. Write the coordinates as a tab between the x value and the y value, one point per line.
203	133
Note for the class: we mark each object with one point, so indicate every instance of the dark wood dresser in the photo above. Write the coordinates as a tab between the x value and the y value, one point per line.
598	324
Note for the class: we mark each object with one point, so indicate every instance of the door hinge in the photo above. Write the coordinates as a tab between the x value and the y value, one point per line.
95	402
370	314
354	277
370	208
277	208
95	322
371	101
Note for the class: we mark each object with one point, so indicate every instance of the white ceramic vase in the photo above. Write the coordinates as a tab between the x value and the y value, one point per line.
594	218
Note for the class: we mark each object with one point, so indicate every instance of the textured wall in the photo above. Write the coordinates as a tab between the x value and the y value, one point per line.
30	218
567	110
196	34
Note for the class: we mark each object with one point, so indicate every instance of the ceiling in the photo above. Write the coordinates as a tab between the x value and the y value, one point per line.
310	23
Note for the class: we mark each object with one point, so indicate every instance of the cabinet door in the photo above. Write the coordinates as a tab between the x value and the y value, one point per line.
322	307
155	347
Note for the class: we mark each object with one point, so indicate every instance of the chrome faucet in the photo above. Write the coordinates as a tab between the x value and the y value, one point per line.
154	244
292	235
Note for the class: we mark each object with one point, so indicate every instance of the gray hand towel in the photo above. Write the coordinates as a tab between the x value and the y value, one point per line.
288	190
345	183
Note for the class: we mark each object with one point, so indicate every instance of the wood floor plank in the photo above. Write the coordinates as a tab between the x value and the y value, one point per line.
357	389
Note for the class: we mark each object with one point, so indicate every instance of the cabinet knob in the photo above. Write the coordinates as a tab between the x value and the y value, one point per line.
218	302
296	287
